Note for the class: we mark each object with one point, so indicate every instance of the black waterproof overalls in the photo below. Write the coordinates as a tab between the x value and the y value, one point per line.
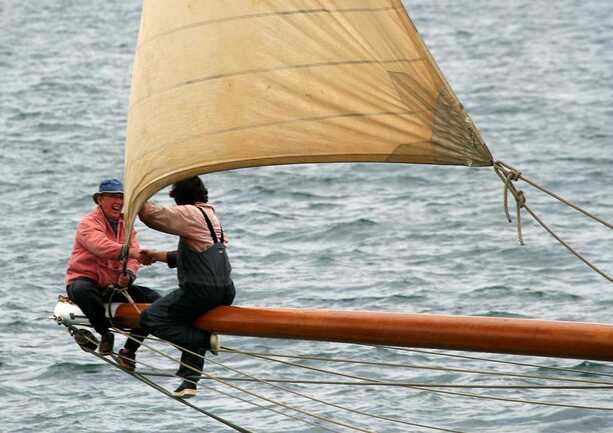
204	283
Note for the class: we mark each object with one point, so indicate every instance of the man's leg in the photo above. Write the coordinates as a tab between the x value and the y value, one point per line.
170	318
139	294
86	294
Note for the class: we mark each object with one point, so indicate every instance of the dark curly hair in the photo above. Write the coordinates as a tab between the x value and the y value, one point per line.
189	191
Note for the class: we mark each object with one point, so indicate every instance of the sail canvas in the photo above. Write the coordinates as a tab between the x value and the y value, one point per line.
225	85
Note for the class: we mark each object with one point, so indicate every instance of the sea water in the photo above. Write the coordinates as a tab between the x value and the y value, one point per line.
537	78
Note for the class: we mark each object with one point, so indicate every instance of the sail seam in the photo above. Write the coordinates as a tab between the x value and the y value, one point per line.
279	68
315	119
263	15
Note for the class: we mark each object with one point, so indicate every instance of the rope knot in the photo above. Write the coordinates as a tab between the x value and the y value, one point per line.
520	198
513	175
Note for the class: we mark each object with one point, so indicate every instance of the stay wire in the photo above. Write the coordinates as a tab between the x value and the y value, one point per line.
337	406
390	384
269	400
425	367
462	394
500	361
304	396
163	390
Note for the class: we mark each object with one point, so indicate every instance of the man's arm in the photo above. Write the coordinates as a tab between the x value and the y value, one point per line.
148	257
94	239
172	220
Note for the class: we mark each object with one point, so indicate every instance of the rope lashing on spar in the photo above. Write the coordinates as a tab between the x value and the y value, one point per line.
509	175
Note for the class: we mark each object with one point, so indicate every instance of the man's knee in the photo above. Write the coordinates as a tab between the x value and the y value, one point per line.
145	294
145	320
81	289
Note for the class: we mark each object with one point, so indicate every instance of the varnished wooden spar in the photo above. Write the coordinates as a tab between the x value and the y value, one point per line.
481	334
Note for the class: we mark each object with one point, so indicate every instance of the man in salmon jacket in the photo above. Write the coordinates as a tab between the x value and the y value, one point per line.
95	267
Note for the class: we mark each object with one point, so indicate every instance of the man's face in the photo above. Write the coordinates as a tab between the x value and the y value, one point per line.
111	205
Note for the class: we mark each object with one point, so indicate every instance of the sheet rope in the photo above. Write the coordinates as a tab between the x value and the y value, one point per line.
509	175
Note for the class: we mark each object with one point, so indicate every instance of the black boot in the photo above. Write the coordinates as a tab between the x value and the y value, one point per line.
106	344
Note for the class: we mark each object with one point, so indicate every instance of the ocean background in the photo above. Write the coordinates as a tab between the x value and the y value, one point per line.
537	78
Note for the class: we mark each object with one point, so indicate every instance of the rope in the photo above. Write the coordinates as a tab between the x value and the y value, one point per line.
124	292
385	418
163	390
500	361
208	376
484	397
569	248
191	381
363	381
557	197
390	384
425	367
509	175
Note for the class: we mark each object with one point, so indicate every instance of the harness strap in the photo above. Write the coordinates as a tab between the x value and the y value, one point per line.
210	227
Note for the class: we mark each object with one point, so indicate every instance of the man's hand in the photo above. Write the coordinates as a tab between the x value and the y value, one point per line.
123	280
134	254
147	257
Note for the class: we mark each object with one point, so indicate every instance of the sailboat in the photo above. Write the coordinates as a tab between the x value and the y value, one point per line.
228	85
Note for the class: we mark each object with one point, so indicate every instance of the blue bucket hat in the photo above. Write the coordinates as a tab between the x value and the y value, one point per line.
108	186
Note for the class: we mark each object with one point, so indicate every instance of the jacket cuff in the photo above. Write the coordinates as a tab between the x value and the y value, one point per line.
171	259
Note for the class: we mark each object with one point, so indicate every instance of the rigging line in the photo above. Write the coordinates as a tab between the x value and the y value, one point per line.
162	390
445	369
507	178
568	247
327	403
500	361
296	418
277	403
425	367
393	384
258	405
508	175
471	395
310	398
124	292
557	197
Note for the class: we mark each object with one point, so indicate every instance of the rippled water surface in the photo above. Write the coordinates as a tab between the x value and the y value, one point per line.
537	78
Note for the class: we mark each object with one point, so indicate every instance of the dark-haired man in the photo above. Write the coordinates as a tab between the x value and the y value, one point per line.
95	264
203	271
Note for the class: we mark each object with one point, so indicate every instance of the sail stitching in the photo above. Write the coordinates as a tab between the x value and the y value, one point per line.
263	15
266	70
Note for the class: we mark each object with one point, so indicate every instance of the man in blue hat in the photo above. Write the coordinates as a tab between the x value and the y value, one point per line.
95	267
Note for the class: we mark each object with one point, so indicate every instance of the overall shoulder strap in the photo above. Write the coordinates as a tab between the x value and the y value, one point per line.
210	226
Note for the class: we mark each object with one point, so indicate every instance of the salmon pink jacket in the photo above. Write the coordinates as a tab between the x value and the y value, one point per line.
97	248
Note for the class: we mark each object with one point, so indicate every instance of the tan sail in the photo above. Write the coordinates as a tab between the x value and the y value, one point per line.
221	85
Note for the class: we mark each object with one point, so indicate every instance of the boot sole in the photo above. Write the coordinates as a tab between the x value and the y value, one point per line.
186	393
